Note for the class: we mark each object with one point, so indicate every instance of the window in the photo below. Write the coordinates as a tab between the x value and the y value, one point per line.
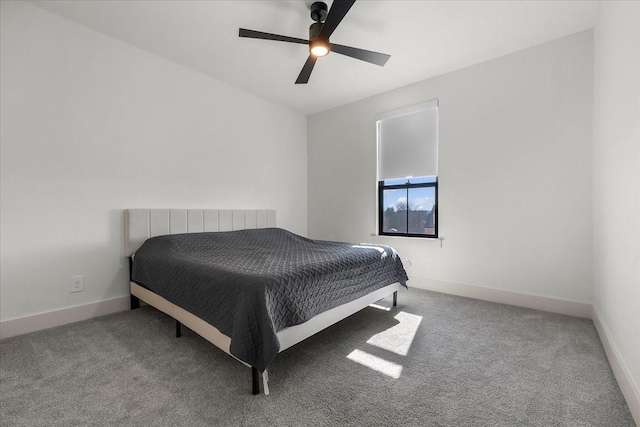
408	171
408	207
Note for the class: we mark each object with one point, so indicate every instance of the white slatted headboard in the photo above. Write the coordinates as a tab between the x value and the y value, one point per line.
141	224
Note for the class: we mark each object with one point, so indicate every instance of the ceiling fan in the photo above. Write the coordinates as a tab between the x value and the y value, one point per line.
319	33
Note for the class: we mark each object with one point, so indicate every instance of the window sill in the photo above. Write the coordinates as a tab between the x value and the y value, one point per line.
391	236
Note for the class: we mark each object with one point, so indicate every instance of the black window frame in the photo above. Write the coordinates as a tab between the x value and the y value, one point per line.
408	185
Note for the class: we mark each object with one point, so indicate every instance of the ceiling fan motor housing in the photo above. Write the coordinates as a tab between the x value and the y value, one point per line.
314	31
317	46
319	11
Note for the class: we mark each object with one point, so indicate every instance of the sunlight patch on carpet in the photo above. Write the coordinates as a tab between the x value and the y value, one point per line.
376	363
398	338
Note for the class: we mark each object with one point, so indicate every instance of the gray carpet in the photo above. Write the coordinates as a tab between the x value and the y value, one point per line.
470	363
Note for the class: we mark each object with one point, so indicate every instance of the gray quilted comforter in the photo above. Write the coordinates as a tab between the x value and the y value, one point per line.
250	284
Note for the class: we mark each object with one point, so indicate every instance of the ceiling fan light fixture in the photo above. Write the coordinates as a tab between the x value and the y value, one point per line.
319	48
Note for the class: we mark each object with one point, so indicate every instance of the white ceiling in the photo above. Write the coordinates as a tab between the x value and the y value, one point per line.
424	39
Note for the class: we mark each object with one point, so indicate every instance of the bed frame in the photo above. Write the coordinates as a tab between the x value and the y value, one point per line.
142	224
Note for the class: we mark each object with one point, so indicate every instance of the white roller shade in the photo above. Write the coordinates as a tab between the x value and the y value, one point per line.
408	142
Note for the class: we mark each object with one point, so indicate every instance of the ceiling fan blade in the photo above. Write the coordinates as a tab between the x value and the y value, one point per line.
303	77
268	36
361	54
338	10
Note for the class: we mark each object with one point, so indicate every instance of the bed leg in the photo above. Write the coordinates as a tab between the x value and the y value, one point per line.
395	298
178	329
265	382
255	379
135	301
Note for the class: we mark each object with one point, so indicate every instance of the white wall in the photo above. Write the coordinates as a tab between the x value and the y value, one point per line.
91	126
514	172
616	183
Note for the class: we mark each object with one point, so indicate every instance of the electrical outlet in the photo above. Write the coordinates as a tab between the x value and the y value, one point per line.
409	261
76	284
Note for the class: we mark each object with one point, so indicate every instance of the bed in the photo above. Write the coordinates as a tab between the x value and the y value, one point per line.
248	287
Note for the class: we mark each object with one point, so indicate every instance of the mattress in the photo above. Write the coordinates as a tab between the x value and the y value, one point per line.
250	284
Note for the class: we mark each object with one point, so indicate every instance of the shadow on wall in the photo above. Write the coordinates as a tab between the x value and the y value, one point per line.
119	283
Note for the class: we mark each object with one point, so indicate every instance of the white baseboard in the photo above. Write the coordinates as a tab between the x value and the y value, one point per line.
627	385
554	305
37	322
